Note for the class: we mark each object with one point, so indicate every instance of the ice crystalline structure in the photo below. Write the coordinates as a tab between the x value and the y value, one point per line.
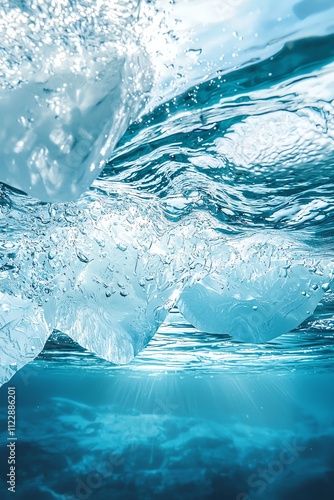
123	290
261	287
23	333
67	91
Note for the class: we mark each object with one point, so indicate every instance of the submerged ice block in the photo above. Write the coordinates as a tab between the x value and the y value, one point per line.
260	287
130	269
123	290
23	333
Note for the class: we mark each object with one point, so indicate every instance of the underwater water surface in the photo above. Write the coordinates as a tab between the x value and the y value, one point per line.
166	249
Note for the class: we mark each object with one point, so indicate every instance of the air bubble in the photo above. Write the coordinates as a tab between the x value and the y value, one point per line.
121	247
82	257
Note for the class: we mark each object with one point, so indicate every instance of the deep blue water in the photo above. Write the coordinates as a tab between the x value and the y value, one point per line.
215	200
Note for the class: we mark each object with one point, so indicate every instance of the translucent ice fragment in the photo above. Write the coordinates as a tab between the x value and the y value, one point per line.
67	91
123	293
260	288
23	333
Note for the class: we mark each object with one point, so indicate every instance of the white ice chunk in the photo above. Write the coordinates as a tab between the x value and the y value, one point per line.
260	287
123	294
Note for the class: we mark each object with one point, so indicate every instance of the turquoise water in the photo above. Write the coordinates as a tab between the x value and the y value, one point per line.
192	278
194	416
185	422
